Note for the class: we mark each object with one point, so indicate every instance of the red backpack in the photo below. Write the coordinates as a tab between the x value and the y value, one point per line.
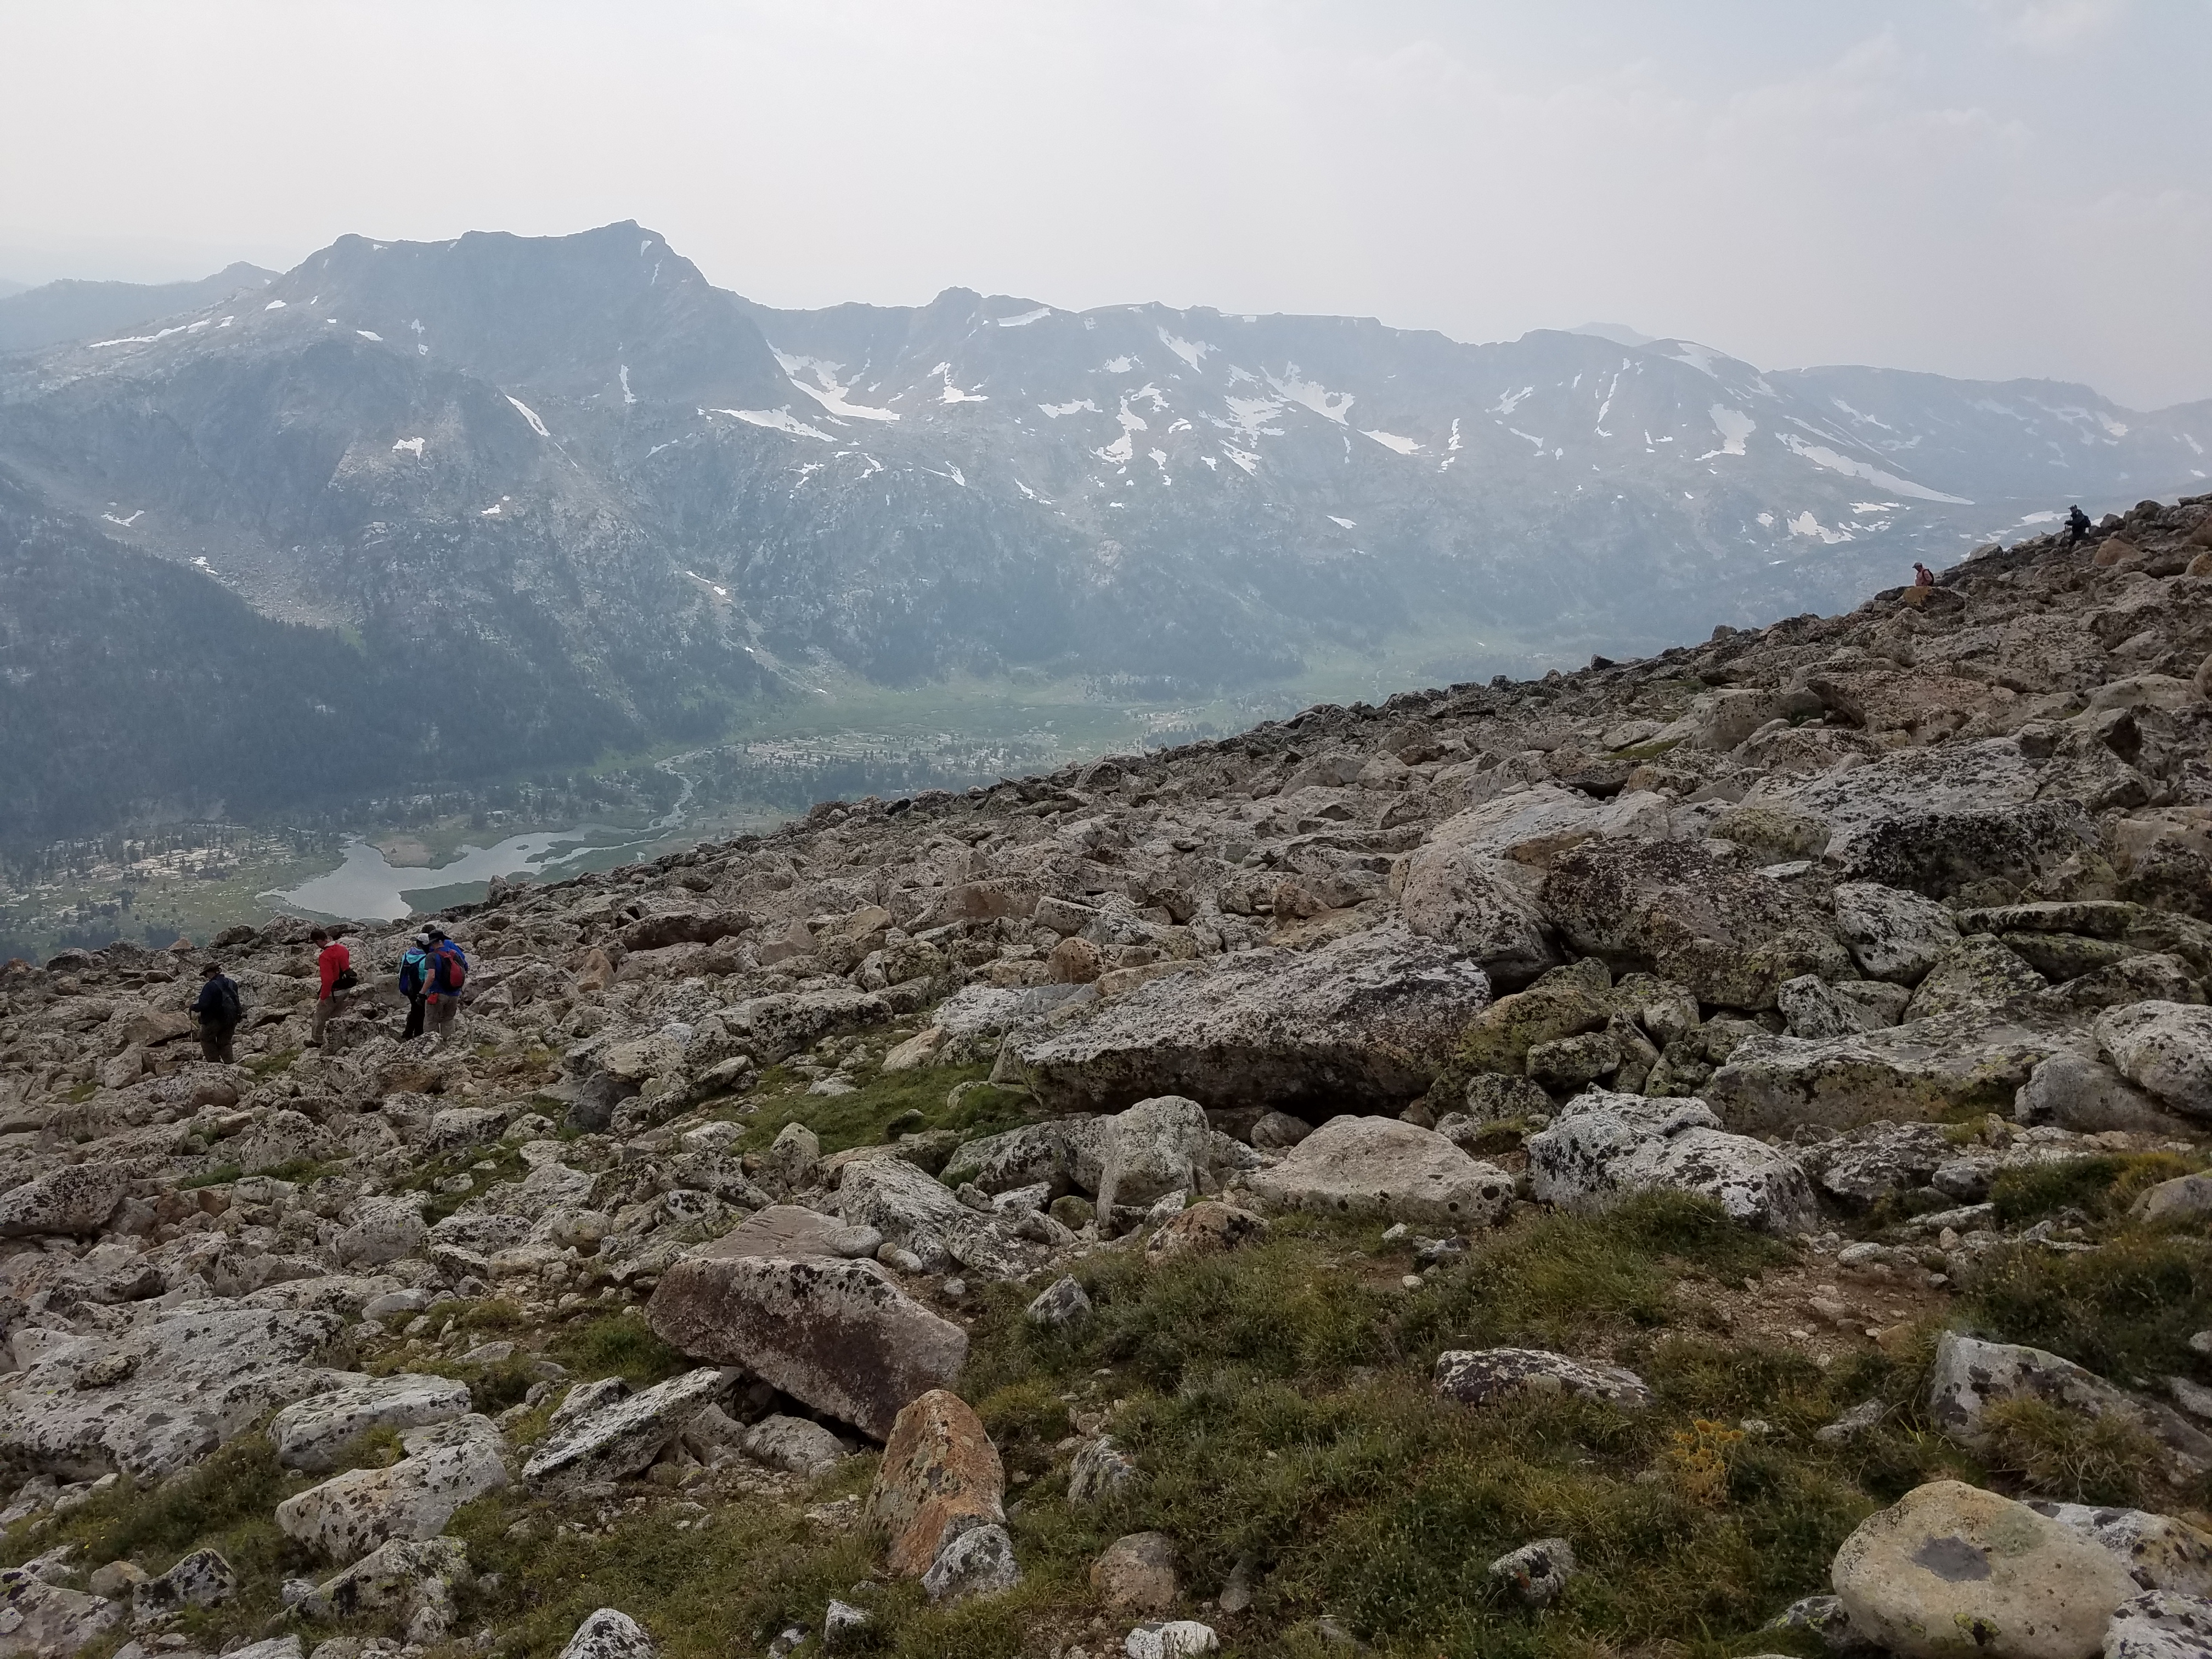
449	969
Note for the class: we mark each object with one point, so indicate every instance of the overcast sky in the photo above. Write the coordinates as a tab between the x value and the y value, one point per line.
1981	188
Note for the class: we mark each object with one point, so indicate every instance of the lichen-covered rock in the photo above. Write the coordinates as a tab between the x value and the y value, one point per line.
1136	1575
1384	1167
977	1562
1155	1147
1486	1375
1536	1572
1068	1154
1930	1068
1700	914
2160	1624
1950	1572
1208	1228
839	1335
2070	1090
1359	1021
1970	1375
609	1634
446	1466
1978	973
1603	1146
625	1435
1892	934
77	1199
158	1395
793	1445
2166	1047
2159	1553
939	1472
37	1618
310	1433
1565	1003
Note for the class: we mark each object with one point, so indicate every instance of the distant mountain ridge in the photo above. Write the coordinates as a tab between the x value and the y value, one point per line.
55	313
576	461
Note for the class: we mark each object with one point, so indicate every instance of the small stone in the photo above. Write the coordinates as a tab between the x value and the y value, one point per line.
1063	1303
1536	1572
978	1561
1137	1574
609	1634
1181	1639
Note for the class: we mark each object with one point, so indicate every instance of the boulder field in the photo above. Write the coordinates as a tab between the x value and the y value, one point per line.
1833	996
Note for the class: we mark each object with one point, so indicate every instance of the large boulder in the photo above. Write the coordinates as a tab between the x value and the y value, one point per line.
76	1199
1384	1167
310	1433
625	1435
2160	1624
1068	1154
1932	1068
1893	934
939	1474
773	1028
1155	1147
838	1336
2166	1048
445	1467
1938	819
910	1207
37	1618
1358	1021
2070	1090
2159	1553
1565	1003
1970	1375
160	1395
1951	1572
1603	1146
1700	913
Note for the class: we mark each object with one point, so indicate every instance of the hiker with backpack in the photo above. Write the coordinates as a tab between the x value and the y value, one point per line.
449	972
334	967
414	982
217	1009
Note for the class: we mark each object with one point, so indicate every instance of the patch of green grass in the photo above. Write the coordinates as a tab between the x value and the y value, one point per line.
270	1065
80	1094
616	1345
226	1504
216	1178
2101	1188
505	1155
2126	1309
864	1117
2070	1456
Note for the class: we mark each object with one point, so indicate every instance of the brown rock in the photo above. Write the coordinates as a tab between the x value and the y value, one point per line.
597	973
2201	565
939	1467
1209	1228
838	1335
1136	1575
157	1026
2116	550
1073	961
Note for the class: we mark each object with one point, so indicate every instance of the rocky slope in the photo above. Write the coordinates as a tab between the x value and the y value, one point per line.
576	463
1701	1148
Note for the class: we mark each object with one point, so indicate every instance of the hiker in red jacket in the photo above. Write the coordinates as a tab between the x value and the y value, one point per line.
334	963
1922	576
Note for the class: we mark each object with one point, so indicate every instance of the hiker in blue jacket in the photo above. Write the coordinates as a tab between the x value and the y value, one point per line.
414	982
449	971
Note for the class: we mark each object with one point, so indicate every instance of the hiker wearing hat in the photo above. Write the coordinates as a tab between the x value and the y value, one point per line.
449	971
218	1010
414	982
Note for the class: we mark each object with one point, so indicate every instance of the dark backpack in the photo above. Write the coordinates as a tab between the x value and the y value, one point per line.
411	967
346	981
449	969
227	1008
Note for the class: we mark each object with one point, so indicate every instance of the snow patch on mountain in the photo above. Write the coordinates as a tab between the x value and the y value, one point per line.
826	389
529	415
1821	455
777	419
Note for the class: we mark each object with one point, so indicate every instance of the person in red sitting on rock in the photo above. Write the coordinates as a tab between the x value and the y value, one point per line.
334	964
1922	576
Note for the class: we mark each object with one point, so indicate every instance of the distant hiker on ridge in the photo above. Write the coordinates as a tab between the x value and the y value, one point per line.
1922	576
218	1010
449	972
414	982
334	964
2077	525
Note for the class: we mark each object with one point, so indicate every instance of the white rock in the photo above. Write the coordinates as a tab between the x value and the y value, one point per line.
36	1617
2159	1553
2165	1047
1603	1146
1384	1169
1892	934
2160	1624
977	1562
446	1466
1951	1572
310	1433
1484	1376
796	1445
609	1634
1178	1638
2070	1090
75	1198
624	1436
1155	1147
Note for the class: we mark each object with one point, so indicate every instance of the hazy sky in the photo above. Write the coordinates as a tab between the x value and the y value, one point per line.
1981	188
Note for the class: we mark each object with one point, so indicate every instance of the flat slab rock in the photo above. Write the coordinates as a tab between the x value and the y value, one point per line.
162	1396
1486	1377
1356	1022
626	1433
840	1335
1603	1146
446	1466
311	1432
1383	1167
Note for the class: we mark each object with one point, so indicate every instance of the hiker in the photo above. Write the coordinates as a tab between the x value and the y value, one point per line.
218	1010
414	982
449	971
2077	525
1922	576
334	964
